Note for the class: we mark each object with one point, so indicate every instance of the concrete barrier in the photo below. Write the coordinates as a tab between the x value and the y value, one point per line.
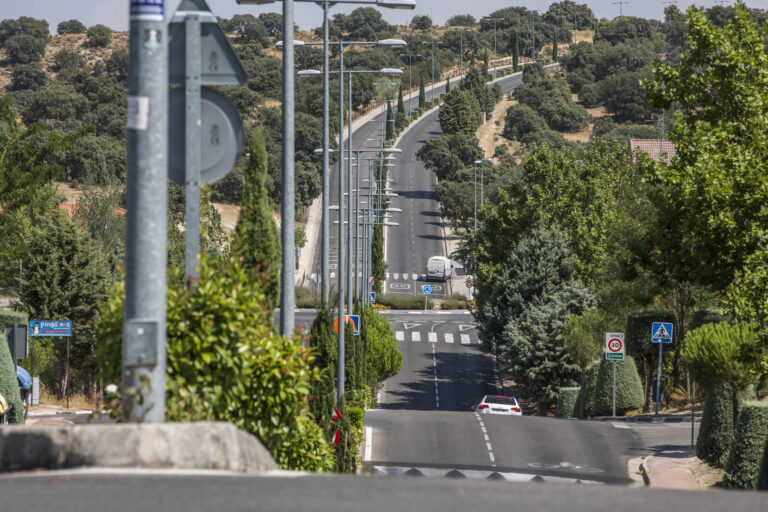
204	445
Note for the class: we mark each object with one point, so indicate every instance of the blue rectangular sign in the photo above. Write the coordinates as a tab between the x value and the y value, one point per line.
148	10
50	328
355	319
373	297
661	332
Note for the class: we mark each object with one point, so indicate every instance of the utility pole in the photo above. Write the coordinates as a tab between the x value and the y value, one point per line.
533	35
620	4
410	75
144	311
494	20
433	43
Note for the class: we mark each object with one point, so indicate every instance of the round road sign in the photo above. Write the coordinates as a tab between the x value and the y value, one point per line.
427	289
615	344
469	282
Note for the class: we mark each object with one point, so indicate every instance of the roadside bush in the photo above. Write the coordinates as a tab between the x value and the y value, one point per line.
550	138
705	316
383	358
225	365
579	78
564	115
402	301
27	77
629	388
455	301
9	387
743	466
762	479
716	429
522	120
23	48
590	95
71	27
67	59
566	402
584	406
99	36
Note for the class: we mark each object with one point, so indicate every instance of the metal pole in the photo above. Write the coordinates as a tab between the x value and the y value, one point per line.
533	36
494	48
658	382
287	294
349	200
192	148
342	311
66	380
357	222
482	180
410	83
326	229
461	55
474	197
146	218
614	388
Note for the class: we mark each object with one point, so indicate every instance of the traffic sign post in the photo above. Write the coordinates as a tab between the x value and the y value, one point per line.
373	298
661	333
427	289
614	351
54	328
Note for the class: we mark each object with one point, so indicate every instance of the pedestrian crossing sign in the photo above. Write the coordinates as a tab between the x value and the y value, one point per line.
373	297
355	321
661	332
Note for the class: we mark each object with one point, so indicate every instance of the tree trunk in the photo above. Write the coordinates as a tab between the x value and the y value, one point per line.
648	362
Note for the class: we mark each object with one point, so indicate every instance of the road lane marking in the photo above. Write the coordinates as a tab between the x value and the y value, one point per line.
415	336
415	277
465	339
395	275
368	443
432	337
448	338
619	424
487	440
434	369
399	335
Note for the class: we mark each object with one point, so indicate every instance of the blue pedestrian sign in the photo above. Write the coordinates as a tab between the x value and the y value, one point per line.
427	289
661	332
50	328
373	297
355	319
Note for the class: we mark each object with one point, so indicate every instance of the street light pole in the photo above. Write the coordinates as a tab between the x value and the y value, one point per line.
325	221
481	163
494	42
410	75
433	43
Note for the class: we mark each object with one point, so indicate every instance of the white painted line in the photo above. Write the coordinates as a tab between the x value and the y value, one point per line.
465	339
618	424
448	337
432	337
396	275
484	431
399	335
485	435
415	277
368	443
493	459
415	336
488	445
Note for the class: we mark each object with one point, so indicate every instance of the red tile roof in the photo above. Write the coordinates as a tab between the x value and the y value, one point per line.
655	148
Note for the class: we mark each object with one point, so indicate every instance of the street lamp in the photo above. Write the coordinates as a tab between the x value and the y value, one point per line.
481	164
433	43
494	20
410	75
461	50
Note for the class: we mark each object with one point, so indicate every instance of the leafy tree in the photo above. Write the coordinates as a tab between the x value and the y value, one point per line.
99	36
54	103
675	26
456	201
322	398
724	353
447	85
474	83
383	358
524	312
23	25
71	27
308	57
448	154
583	337
118	64
67	60
24	48
522	120
422	93
390	130
623	28
96	160
272	22
258	241
623	96
65	277
309	183
515	55
461	20
27	77
713	189
459	113
365	24
421	22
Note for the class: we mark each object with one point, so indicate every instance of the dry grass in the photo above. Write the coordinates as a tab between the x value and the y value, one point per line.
489	133
229	214
708	477
70	195
76	401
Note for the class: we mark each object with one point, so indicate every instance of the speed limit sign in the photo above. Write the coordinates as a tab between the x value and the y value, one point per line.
614	345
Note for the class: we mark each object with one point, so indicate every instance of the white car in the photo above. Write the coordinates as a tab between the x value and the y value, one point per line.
498	404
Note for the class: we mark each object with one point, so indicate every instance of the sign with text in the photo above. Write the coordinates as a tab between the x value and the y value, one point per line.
50	328
614	346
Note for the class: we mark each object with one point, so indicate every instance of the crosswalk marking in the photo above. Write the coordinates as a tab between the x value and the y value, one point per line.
415	336
432	337
465	339
448	337
396	275
415	277
400	336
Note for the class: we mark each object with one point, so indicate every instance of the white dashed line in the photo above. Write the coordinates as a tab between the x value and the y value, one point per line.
432	336
465	339
415	336
399	335
448	338
368	443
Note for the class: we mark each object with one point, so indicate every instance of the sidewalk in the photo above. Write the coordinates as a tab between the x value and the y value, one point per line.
671	469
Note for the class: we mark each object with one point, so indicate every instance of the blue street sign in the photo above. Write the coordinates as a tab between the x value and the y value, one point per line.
427	289
355	319
147	10
373	297
661	332
50	328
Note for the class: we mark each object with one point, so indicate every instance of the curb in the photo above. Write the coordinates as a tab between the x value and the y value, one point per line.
646	472
648	419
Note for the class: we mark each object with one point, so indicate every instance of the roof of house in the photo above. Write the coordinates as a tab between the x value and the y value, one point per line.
655	148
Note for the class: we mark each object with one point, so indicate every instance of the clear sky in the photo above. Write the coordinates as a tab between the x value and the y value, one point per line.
114	13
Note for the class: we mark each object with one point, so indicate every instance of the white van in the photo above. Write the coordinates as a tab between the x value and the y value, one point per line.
439	268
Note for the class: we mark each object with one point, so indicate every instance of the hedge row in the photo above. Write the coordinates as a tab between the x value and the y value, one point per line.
744	460
629	388
585	400
716	429
566	402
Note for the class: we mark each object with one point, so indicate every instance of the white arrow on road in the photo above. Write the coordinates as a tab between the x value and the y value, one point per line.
465	327
411	325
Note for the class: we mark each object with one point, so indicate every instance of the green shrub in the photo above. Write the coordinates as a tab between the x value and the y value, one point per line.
743	466
27	77
584	406
402	301
762	479
454	301
9	387
356	416
67	59
225	363
521	120
705	316
383	358
590	95
563	115
71	27
99	36
629	388
307	297
566	402
716	429
23	48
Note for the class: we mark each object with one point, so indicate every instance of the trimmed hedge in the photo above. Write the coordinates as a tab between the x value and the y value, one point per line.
629	388
8	317
566	402
743	466
9	387
638	331
716	429
584	406
706	316
762	479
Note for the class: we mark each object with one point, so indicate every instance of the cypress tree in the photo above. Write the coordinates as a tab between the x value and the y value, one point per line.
448	85
629	388
422	93
515	55
554	47
390	122
322	397
256	238
400	103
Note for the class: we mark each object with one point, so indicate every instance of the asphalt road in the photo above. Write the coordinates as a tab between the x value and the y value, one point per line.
45	492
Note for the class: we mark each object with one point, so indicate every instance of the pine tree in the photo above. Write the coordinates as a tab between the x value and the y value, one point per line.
524	313
256	238
448	85
515	55
422	93
554	47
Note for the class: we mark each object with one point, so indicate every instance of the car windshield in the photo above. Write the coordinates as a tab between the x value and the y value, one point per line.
497	399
